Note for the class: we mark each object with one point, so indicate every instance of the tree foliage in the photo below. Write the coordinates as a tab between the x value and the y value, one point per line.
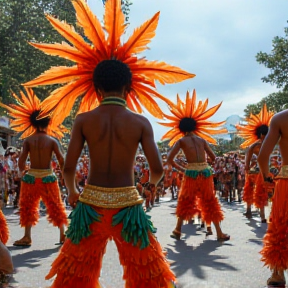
276	102
22	21
276	61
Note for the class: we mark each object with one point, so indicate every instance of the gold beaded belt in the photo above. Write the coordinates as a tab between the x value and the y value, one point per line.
40	173
110	197
283	174
197	166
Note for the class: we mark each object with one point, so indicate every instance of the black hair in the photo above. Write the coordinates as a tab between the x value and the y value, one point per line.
112	75
41	123
187	125
262	130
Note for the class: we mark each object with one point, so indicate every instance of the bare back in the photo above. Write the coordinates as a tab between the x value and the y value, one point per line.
40	147
194	148
113	134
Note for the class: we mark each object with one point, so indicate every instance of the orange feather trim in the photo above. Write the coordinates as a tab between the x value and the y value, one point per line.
4	231
275	250
189	109
106	44
260	193
197	195
30	196
248	189
79	265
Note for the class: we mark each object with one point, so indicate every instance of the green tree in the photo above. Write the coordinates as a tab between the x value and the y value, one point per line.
276	61
276	102
22	21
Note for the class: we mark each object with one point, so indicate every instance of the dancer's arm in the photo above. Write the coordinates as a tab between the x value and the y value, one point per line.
74	151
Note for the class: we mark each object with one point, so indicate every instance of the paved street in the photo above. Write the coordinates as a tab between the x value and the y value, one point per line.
197	261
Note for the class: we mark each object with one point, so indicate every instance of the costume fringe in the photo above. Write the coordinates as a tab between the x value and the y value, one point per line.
29	203
197	195
248	189
275	250
4	231
79	265
260	193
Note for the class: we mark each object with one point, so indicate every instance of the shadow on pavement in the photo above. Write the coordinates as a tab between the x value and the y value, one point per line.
184	258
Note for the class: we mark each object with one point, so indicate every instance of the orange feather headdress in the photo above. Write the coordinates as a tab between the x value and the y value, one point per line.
105	45
199	114
254	122
27	107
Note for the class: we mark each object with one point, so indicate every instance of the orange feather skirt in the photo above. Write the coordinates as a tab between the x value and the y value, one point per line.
79	265
4	231
275	250
196	196
248	190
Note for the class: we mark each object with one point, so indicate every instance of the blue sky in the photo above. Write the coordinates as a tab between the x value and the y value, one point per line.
215	39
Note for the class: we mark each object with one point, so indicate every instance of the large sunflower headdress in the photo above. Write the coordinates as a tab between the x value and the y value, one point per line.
250	131
105	45
25	113
194	115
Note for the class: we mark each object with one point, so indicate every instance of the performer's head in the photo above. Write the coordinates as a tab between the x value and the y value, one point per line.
187	125
39	124
262	131
112	78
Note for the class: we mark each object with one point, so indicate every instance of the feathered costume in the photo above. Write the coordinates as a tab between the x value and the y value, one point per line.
79	262
274	252
254	191
4	231
197	189
37	183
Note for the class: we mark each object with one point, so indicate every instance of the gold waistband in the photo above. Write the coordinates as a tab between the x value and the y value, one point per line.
110	197
40	173
283	174
197	166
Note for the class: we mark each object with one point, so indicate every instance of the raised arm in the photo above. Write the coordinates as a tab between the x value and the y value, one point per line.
151	152
23	156
74	151
268	145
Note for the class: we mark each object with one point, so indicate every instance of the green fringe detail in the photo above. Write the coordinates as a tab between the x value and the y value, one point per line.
29	179
49	179
194	173
81	218
136	225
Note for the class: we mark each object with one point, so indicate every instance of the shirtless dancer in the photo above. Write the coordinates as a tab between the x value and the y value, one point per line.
274	252
259	195
113	134
197	189
40	182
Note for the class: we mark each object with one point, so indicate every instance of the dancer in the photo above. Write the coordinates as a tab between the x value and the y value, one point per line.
197	190
274	252
254	133
40	182
112	134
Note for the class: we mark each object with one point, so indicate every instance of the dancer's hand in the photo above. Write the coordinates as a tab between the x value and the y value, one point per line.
73	198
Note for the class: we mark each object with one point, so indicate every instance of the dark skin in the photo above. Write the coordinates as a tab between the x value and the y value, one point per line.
113	134
278	133
40	147
195	150
188	144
